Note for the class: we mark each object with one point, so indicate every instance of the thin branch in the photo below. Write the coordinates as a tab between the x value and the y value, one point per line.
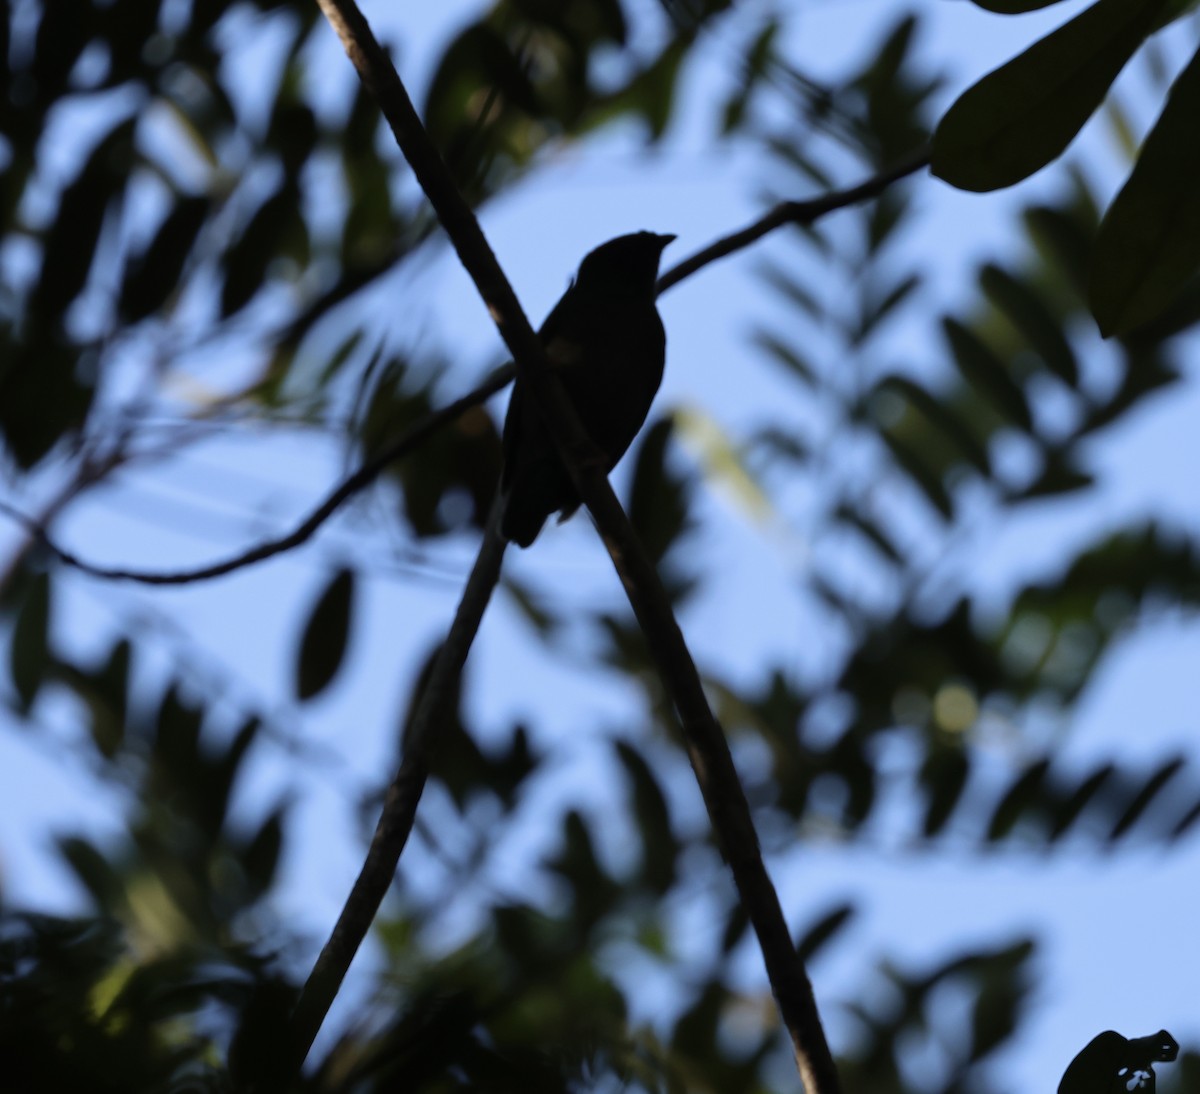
705	742
434	705
361	478
793	212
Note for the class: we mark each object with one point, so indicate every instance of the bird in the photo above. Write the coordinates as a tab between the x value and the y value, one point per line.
605	342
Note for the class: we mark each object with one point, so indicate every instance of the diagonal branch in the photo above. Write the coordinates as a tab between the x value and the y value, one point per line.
803	212
705	742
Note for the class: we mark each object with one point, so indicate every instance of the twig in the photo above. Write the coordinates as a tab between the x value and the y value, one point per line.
432	708
793	212
360	479
705	742
785	213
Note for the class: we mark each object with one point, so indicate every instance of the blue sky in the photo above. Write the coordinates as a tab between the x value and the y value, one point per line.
1117	929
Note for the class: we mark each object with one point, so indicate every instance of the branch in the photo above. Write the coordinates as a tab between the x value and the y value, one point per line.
793	212
705	742
434	705
785	213
304	531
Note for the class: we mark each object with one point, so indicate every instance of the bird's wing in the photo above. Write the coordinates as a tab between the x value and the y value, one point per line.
561	350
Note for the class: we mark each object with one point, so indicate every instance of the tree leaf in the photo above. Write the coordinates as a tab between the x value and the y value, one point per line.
1149	241
30	641
822	932
660	848
983	368
154	275
1020	798
939	416
1144	798
1013	7
943	777
247	260
1024	114
323	646
70	243
1027	311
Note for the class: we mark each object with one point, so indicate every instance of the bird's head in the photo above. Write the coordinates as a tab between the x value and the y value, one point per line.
627	264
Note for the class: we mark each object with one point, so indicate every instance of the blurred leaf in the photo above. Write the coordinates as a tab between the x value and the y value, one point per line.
786	355
659	506
260	855
822	932
1149	241
1028	314
1057	478
593	891
943	778
982	368
102	882
940	417
871	529
153	276
1064	240
1014	7
326	635
261	241
721	461
70	243
1017	119
58	46
736	926
29	656
915	464
105	691
660	848
1068	811
1021	798
1144	798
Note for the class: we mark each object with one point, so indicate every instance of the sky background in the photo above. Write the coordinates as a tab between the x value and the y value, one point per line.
1117	929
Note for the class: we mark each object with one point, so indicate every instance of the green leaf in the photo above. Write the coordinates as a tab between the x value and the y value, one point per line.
29	655
1069	810
943	777
821	932
1024	794
1149	241
326	635
260	855
941	418
247	260
1144	798
988	373
660	848
70	243
1017	119
659	498
928	479
154	275
1013	7
1027	312
1063	239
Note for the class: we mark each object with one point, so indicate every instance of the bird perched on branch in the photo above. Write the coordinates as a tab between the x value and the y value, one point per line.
606	344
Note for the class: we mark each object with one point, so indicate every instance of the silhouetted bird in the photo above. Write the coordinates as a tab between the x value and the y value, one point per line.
606	344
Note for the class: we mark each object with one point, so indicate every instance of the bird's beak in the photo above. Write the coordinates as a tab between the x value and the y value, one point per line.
664	240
